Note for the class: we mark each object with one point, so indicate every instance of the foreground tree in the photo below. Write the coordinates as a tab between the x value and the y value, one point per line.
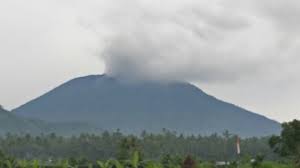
288	143
189	162
128	147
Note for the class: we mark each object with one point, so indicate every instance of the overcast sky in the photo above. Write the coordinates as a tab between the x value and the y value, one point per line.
244	52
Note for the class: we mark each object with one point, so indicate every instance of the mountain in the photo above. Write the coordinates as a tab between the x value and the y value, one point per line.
10	123
111	103
14	124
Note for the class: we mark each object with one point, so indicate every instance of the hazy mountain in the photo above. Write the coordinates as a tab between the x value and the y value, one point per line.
10	123
110	103
13	124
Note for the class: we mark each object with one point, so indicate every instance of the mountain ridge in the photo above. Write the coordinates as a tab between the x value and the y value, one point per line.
13	124
111	103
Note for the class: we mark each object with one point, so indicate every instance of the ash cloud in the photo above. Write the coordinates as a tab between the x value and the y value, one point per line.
197	40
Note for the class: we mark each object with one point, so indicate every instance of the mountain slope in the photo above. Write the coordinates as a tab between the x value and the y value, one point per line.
110	104
9	123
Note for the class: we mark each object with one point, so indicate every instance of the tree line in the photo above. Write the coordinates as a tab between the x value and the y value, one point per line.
118	145
163	150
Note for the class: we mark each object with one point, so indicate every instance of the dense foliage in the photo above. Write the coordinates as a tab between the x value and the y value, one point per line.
117	145
288	143
135	161
165	150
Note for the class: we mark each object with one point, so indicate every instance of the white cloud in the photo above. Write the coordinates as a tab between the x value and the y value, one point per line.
191	40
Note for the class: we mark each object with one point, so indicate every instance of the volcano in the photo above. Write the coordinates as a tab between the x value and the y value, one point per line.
110	103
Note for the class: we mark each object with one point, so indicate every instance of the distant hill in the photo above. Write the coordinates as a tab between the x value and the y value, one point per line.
10	123
13	124
110	104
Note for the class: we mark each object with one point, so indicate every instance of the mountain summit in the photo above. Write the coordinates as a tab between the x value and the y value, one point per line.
110	104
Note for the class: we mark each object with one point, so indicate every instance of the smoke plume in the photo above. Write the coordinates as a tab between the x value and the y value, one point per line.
197	40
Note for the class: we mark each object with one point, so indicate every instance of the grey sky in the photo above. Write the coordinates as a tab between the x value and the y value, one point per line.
244	52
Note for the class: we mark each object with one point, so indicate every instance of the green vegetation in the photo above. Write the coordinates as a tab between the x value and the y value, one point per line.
116	150
165	150
117	145
288	143
135	161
